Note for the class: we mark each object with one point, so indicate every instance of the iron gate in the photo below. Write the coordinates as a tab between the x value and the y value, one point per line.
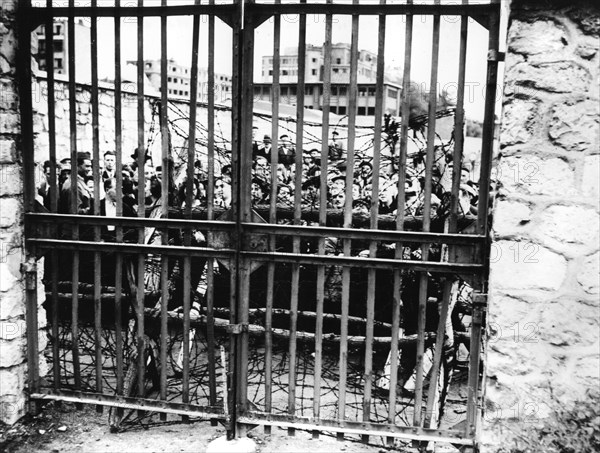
258	260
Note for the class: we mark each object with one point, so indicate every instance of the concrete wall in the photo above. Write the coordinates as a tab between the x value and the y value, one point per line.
13	354
544	312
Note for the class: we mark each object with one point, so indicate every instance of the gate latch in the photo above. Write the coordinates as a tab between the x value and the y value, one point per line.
237	329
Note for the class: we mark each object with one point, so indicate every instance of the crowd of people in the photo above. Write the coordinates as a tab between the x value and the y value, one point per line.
262	154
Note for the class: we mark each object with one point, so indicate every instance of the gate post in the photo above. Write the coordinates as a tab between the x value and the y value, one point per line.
14	370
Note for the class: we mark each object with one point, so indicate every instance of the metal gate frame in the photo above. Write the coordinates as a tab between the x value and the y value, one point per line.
244	16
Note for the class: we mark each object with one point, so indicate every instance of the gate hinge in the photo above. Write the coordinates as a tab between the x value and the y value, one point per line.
237	329
494	55
29	269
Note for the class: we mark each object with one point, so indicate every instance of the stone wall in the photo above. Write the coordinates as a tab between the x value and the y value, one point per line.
13	353
544	348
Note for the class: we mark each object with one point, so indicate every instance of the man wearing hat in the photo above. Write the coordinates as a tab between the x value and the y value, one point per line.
84	197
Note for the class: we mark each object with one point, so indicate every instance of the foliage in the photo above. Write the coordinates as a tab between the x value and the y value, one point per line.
574	429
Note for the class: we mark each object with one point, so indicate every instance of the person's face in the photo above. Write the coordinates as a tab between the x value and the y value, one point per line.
338	184
148	172
85	169
386	196
355	192
256	192
285	194
368	191
90	185
365	171
314	154
219	189
308	160
338	198
109	161
464	176
261	165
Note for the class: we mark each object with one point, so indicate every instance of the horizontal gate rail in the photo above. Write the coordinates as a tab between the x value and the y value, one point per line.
351	427
169	407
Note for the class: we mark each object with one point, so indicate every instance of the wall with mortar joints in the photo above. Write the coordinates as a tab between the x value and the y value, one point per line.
544	346
13	347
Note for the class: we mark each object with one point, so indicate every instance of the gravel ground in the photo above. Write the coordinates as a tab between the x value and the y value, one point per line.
65	429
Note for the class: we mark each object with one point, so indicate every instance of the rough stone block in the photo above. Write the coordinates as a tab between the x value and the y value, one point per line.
8	151
555	77
10	211
14	352
576	127
9	100
12	408
13	328
568	323
517	122
590	183
588	274
8	46
511	218
10	260
10	180
9	123
562	227
543	37
528	174
13	303
523	265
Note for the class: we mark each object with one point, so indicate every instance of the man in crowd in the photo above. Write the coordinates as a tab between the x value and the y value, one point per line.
84	197
110	161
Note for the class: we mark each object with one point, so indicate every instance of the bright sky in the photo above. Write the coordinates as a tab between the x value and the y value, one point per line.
180	36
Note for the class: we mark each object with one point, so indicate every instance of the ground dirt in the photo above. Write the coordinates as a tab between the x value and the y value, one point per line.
65	429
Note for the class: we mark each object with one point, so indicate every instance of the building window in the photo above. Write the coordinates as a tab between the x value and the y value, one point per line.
392	93
338	61
174	69
169	79
176	80
59	46
341	110
314	72
270	72
343	91
57	29
362	111
314	60
58	63
336	70
186	93
371	111
284	72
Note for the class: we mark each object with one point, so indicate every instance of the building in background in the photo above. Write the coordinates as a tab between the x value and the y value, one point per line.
60	38
179	77
340	79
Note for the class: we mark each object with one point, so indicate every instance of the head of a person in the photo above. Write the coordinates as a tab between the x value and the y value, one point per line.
84	164
254	133
307	158
89	182
267	140
335	136
226	173
338	182
110	159
110	185
388	194
315	154
284	193
258	191
47	169
261	165
338	198
465	174
285	140
365	169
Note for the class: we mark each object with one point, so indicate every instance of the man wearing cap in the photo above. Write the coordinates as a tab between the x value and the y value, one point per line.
84	197
336	148
286	152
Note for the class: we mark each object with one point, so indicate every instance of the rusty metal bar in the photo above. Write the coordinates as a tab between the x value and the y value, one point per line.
119	230
210	330
295	287
73	190
141	201
371	277
487	139
457	157
322	216
266	10
354	427
397	332
427	216
353	92
97	182
272	217
130	403
479	305
165	185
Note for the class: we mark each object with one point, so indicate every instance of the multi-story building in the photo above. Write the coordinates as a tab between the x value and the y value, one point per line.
178	80
340	79
60	39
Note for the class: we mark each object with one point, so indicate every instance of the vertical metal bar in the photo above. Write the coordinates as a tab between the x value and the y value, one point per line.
379	88
165	185
141	199
487	139
426	217
53	190
25	110
119	191
322	216
272	217
352	102
397	332
73	207
244	213
457	157
297	213
210	319
187	238
479	304
97	181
